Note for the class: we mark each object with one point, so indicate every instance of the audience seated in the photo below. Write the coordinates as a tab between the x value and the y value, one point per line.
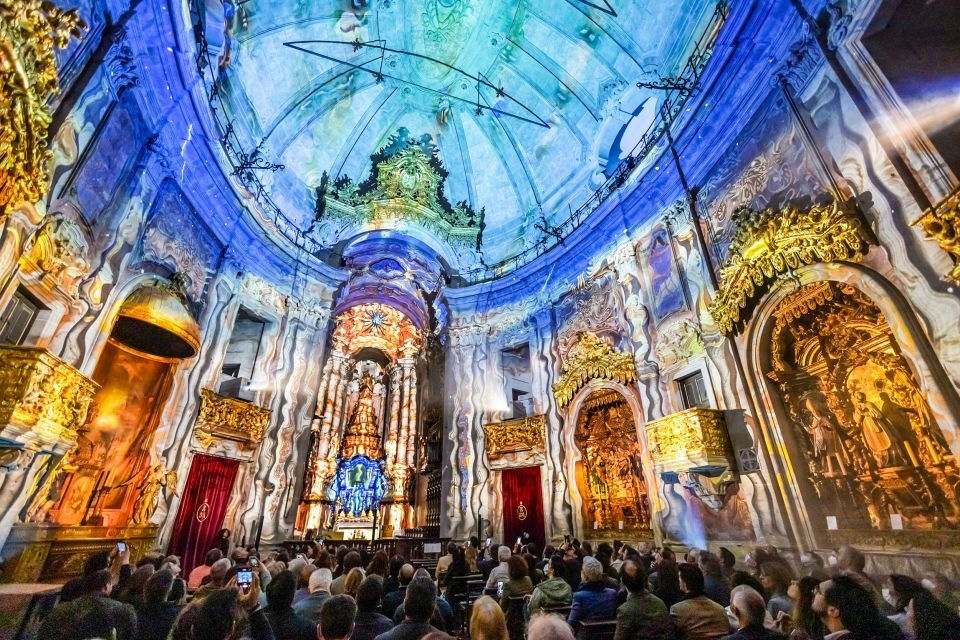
594	600
852	563
697	617
489	559
519	583
501	572
286	623
369	622
898	593
544	626
803	623
931	619
351	561
199	573
442	617
157	612
642	615
419	603
392	582
393	600
352	582
848	611
665	577
379	565
716	586
775	578
77	587
92	614
336	617
572	566
751	612
552	592
487	621
214	580
309	607
443	562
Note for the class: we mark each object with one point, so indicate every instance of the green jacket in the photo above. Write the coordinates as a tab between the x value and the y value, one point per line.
643	615
554	592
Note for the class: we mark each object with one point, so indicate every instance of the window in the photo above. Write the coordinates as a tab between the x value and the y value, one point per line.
693	391
18	318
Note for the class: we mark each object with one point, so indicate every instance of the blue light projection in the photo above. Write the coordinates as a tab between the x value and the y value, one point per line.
359	485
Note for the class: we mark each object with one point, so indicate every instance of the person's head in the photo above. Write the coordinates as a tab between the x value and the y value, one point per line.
218	616
224	534
406	574
320	581
138	580
470	558
850	559
451	547
804	618
691	579
544	626
474	542
353	580
487	621
591	570
92	619
774	578
337	614
379	564
212	556
369	593
281	590
633	577
420	599
570	553
937	583
517	568
157	588
899	590
322	560
811	563
396	561
555	566
240	556
742	577
727	559
843	604
218	572
930	619
503	553
710	565
99	582
96	562
351	560
748	606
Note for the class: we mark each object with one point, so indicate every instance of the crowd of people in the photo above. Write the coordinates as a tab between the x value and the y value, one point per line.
557	593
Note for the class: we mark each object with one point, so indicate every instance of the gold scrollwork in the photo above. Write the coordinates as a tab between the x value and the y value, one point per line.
514	436
942	223
589	358
229	419
30	31
689	439
41	395
771	242
378	326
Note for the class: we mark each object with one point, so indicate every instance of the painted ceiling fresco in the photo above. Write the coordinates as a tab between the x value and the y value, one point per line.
528	104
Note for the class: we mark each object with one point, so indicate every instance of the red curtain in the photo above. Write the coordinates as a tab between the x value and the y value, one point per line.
202	509
522	505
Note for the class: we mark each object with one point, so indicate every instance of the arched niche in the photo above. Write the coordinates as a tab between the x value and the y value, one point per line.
607	463
818	393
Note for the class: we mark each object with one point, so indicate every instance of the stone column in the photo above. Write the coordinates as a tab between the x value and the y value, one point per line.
393	430
335	365
411	442
399	473
336	428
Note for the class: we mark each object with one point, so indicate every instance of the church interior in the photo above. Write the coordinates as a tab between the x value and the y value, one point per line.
399	272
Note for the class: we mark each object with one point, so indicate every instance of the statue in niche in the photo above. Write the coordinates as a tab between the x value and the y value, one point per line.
878	430
157	479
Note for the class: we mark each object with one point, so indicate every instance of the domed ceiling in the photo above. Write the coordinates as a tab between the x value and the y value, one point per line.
524	106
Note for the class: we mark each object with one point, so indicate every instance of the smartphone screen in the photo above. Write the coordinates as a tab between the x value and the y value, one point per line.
489	540
244	578
518	540
121	546
500	584
253	562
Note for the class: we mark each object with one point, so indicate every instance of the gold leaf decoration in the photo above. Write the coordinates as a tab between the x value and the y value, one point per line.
30	31
589	358
223	418
942	223
771	242
692	438
514	436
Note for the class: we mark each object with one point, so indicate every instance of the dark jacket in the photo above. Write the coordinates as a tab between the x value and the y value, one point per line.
643	615
309	608
486	566
393	600
370	624
61	622
756	632
594	602
717	589
289	625
407	630
442	617
154	621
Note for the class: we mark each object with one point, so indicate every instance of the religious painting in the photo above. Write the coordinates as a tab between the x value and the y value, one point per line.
872	447
665	284
358	486
609	474
112	455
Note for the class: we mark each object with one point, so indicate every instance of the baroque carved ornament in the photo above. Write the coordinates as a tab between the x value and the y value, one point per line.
223	418
942	223
771	242
378	326
30	31
588	358
514	436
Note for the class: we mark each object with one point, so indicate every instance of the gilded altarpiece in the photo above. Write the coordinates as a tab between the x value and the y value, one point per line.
870	443
609	473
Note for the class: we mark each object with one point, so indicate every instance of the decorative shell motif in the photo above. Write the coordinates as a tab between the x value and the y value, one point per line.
591	357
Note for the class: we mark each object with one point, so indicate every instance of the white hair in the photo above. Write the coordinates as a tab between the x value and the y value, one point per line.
320	580
592	569
504	553
544	626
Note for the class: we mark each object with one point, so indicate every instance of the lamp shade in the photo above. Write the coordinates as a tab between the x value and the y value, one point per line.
155	321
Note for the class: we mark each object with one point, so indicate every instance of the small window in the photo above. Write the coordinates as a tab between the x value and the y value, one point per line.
693	391
18	318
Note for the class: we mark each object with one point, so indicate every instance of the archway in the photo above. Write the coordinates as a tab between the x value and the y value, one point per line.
868	445
609	470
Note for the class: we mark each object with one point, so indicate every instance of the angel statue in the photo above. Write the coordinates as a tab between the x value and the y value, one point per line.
158	477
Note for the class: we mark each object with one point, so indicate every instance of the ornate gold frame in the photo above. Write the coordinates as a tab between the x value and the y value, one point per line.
942	223
589	358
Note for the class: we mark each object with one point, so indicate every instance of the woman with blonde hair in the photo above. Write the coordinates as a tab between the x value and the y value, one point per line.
487	621
470	554
353	580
